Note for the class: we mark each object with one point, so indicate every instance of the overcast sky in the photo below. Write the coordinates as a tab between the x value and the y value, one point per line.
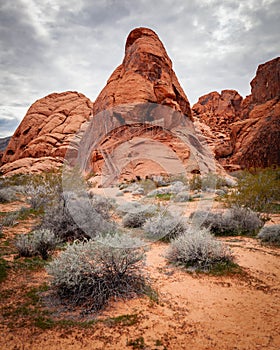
59	45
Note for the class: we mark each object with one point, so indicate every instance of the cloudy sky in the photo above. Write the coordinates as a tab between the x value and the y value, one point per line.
59	45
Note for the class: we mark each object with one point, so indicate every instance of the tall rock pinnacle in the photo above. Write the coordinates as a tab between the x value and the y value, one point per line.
145	75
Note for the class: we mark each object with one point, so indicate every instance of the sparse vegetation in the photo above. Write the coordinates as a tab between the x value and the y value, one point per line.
198	249
92	272
3	270
258	190
270	234
209	181
138	343
76	218
7	195
134	219
122	320
40	242
235	221
164	227
43	189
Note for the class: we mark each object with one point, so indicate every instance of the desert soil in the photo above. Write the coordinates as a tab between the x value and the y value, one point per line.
193	311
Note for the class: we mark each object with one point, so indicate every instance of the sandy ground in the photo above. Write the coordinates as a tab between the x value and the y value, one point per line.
194	311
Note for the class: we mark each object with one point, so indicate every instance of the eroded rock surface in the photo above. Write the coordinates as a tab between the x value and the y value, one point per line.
256	138
244	133
145	75
42	138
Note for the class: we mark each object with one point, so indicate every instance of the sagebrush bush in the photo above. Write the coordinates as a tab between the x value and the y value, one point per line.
40	242
258	190
91	272
11	219
198	249
134	219
102	205
164	227
7	195
43	189
235	221
270	234
75	218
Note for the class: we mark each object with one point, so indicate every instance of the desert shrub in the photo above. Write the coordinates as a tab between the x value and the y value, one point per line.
164	227
195	182
134	207
258	190
40	242
11	219
7	195
102	205
134	219
270	234
75	218
92	272
137	216
208	181
198	249
235	221
43	189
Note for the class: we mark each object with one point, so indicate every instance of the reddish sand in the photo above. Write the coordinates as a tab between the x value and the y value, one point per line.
194	311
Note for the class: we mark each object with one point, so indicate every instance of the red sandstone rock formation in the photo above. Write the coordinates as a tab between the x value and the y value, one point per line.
141	93
213	114
244	133
256	139
145	75
41	140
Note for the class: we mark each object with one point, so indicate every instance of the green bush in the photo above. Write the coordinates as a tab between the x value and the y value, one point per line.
270	234
92	272
198	249
164	227
258	190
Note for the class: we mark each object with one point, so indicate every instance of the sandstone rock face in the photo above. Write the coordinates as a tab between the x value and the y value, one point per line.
144	109
266	84
256	139
145	75
213	114
244	133
45	132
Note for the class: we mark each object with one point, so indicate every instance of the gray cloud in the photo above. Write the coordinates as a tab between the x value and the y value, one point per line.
60	45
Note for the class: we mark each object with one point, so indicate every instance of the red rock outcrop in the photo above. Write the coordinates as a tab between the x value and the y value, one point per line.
244	133
143	99
42	138
213	114
145	75
256	139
